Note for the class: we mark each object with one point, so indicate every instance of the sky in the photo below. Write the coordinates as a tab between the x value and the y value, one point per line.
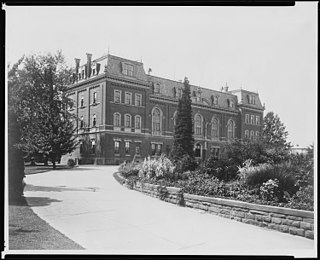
269	50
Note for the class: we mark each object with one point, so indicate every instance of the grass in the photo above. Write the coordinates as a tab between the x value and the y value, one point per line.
28	169
27	231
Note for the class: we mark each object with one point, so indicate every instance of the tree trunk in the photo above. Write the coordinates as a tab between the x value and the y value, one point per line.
54	164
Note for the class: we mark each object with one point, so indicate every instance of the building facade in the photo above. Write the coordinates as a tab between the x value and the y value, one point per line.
126	114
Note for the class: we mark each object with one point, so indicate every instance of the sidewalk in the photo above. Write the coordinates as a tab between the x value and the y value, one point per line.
87	205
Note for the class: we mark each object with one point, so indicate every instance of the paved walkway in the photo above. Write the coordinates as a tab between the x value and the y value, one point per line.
91	208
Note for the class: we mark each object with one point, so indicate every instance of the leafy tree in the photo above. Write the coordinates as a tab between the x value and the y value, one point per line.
183	132
274	137
38	88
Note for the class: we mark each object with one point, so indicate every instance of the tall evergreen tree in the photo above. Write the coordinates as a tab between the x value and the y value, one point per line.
274	136
39	85
183	132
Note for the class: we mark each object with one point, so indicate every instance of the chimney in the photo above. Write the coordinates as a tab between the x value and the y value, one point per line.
89	56
225	89
77	67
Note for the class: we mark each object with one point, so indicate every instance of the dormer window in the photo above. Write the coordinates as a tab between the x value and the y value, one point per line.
157	88
251	99
230	103
127	69
214	100
93	72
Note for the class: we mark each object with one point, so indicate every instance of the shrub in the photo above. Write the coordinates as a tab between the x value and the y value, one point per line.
129	169
222	169
71	163
186	163
303	199
270	190
156	168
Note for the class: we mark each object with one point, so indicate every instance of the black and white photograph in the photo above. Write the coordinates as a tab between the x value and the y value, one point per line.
161	130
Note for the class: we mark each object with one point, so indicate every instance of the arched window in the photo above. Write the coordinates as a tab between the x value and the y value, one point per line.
137	122
175	114
81	122
117	120
156	121
214	128
198	124
231	128
127	121
251	134
94	120
197	150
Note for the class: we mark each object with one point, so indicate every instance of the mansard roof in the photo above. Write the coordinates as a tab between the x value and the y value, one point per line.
199	95
244	98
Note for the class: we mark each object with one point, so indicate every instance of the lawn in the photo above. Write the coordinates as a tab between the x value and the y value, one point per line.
27	231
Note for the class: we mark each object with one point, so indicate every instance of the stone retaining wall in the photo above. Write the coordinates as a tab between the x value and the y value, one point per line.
295	222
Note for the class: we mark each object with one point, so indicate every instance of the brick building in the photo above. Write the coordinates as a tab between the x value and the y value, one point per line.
125	113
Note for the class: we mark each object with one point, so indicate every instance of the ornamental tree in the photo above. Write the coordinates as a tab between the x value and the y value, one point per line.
274	136
37	88
183	141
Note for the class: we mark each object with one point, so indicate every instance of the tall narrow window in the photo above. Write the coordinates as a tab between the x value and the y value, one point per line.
127	123
81	122
231	129
197	151
117	120
252	120
81	147
127	147
257	134
251	134
82	101
138	147
137	124
128	98
257	120
153	148
159	149
138	100
157	88
247	120
94	120
128	69
156	121
116	147
175	115
246	134
215	128
117	96
198	124
93	146
94	98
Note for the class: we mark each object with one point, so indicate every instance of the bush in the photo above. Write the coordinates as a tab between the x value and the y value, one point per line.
269	190
224	170
129	169
71	163
186	163
156	168
303	199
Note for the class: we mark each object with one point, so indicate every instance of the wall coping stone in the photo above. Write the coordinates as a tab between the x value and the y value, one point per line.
251	206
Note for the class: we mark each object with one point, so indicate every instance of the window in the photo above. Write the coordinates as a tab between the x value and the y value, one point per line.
128	98
230	103
251	99
81	122
93	146
257	134
159	149
156	121
117	96
179	92
128	69
138	100
116	147
117	120
94	97
251	134
247	120
138	148
127	122
153	149
257	120
215	151
81	147
127	147
94	120
82	75
137	122
197	151
157	88
82	101
198	124
175	115
215	128
93	72
246	134
252	120
79	76
230	128
214	100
